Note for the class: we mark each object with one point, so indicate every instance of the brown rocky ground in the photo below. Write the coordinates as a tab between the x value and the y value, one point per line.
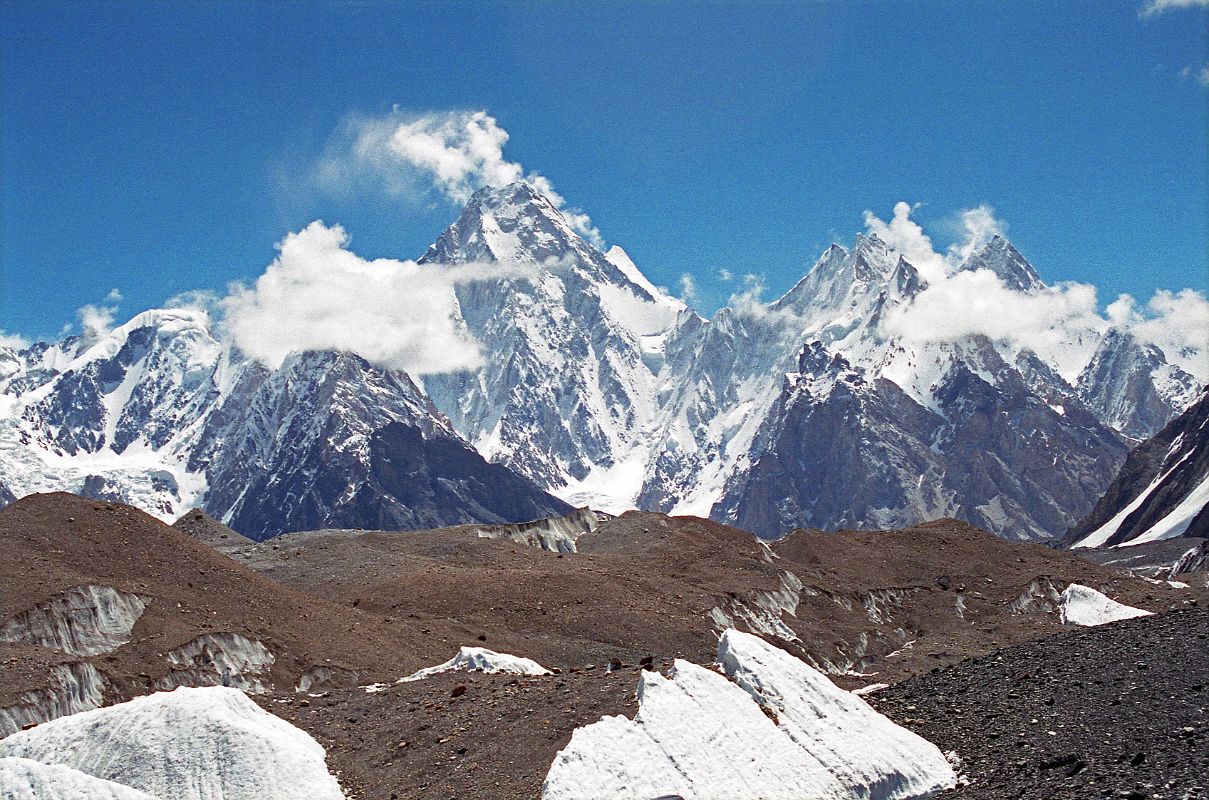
495	742
54	542
871	607
646	583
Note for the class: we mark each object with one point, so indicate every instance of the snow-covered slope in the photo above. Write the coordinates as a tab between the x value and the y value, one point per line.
1161	491
480	659
1083	605
189	744
111	415
869	429
775	728
1132	387
574	344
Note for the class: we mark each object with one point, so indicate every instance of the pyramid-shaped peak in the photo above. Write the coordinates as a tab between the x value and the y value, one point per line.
870	242
508	223
515	193
1001	257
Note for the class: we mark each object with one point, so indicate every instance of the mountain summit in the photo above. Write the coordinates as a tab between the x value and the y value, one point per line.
600	389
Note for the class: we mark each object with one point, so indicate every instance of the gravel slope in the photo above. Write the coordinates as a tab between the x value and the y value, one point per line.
1117	711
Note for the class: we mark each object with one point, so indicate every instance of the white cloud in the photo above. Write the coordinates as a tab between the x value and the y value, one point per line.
976	226
1153	7
318	295
725	275
906	236
749	300
96	320
688	288
452	152
1189	72
1177	322
1061	323
14	340
201	299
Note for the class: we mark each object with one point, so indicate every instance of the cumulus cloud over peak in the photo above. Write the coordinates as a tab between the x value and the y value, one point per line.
1062	323
976	226
96	319
319	295
451	152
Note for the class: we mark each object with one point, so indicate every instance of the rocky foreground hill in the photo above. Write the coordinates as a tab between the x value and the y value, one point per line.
104	603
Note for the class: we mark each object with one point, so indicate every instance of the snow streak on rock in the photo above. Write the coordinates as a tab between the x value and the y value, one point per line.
1161	491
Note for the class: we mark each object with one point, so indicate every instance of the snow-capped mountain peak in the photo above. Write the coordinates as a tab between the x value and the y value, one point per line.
515	224
1002	258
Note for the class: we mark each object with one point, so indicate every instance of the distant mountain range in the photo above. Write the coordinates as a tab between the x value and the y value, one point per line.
598	388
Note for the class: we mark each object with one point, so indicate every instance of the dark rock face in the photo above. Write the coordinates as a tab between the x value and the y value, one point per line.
840	450
1118	711
329	441
1159	475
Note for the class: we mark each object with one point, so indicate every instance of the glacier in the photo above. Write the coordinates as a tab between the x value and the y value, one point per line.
188	744
765	725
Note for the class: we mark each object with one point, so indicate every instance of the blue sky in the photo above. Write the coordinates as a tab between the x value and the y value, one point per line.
157	148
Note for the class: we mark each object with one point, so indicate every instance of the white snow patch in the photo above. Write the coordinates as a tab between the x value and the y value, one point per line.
1083	605
480	659
778	728
189	744
25	779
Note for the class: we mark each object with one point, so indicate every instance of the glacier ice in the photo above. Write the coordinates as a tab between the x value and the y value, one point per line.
24	779
84	621
188	744
769	727
480	659
1083	605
